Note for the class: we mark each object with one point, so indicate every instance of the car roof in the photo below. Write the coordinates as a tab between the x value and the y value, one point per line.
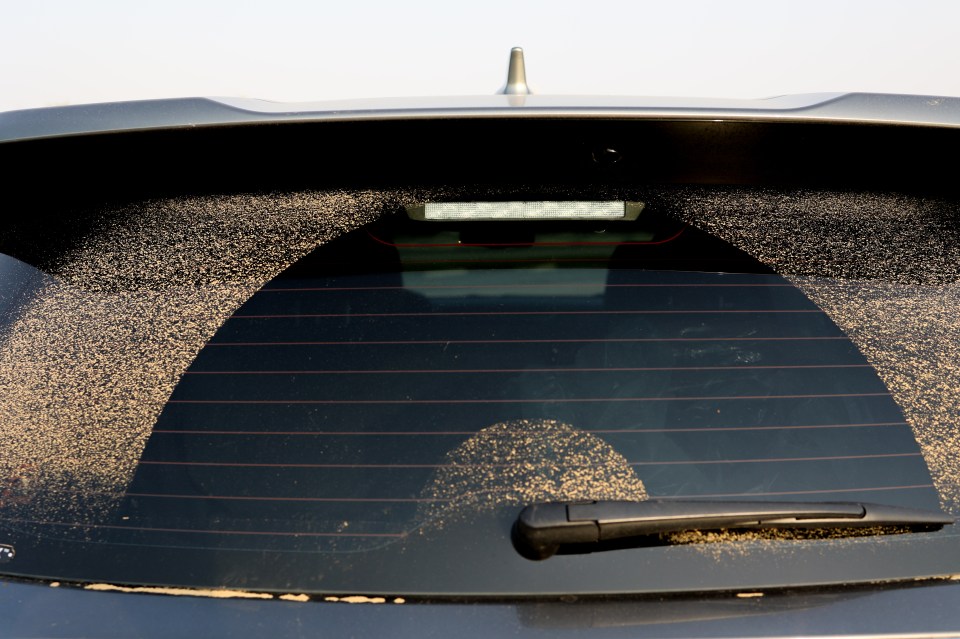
115	117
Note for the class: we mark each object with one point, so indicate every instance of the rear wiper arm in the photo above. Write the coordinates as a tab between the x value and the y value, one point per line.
543	529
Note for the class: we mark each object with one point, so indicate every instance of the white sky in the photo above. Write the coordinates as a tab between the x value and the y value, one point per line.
55	52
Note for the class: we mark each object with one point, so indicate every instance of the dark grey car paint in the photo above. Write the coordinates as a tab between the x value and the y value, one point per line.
913	610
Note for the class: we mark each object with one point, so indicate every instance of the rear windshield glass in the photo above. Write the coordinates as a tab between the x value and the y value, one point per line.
337	402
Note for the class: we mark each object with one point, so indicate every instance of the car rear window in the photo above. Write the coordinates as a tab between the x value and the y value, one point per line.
332	406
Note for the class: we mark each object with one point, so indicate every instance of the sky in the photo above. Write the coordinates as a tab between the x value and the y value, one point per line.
59	52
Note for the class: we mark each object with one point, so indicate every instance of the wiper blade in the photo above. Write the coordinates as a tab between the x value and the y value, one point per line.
543	529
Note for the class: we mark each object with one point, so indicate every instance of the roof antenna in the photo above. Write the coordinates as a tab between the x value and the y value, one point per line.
516	75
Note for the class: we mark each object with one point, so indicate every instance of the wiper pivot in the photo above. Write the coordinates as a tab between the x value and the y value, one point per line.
542	529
